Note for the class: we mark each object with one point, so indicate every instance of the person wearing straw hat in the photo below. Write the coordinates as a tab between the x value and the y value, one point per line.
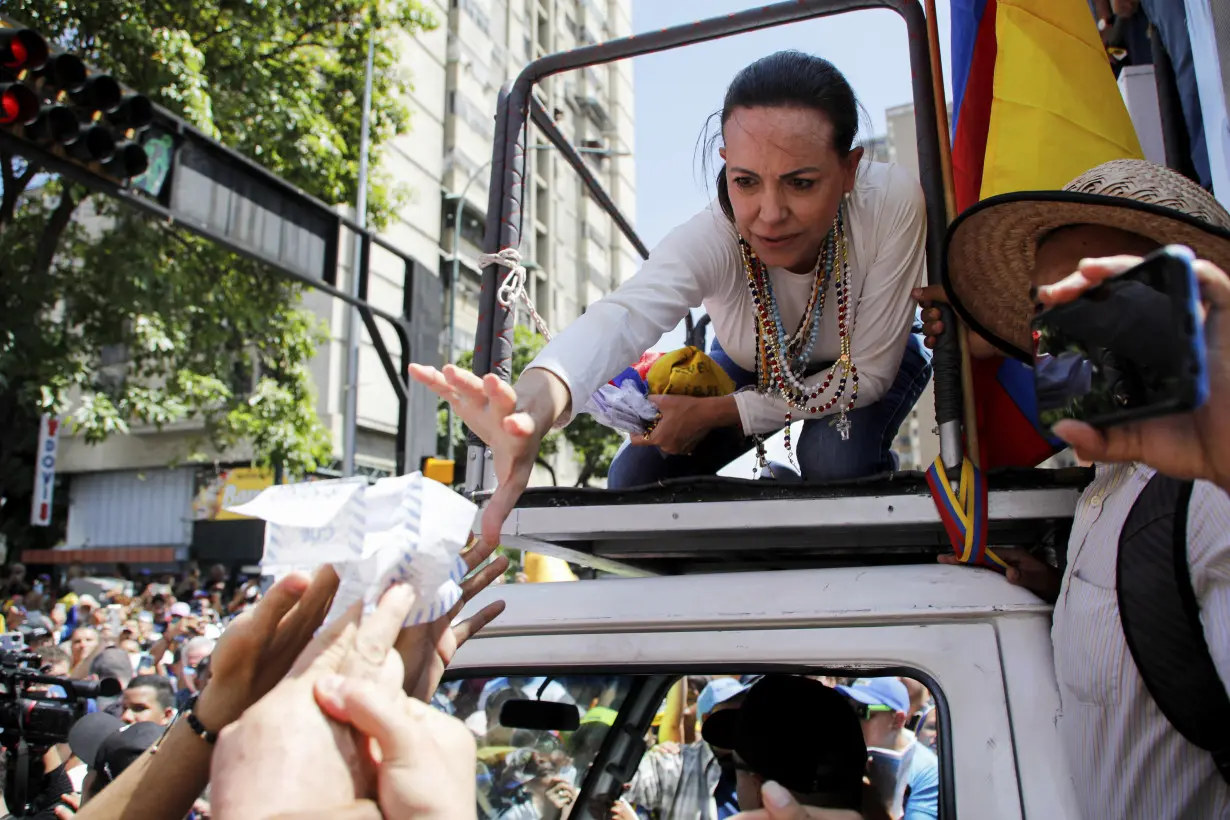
1127	760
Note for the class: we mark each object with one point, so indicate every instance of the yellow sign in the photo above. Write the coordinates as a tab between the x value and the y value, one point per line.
229	488
438	469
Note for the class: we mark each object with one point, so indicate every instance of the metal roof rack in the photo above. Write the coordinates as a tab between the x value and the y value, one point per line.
698	525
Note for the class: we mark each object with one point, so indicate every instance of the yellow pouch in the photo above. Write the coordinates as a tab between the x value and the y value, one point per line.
689	372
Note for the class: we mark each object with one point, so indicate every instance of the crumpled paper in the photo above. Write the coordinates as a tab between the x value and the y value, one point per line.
313	523
623	407
411	529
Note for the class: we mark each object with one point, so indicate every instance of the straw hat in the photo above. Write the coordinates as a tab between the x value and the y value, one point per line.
989	251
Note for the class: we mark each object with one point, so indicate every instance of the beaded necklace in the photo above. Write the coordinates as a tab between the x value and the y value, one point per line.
781	361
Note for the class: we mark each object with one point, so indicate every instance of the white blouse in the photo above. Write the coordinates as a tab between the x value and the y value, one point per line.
699	263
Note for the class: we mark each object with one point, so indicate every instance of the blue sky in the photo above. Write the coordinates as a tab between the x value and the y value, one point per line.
677	90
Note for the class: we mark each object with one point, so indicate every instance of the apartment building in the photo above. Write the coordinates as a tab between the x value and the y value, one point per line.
123	495
918	442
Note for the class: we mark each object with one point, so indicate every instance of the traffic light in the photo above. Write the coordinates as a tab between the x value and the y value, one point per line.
58	103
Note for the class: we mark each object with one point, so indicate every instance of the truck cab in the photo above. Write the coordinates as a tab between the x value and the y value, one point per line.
979	645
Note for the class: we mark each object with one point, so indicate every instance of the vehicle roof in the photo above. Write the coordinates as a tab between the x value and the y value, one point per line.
888	594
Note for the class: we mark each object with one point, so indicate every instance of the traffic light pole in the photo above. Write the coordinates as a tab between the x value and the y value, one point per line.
244	172
350	415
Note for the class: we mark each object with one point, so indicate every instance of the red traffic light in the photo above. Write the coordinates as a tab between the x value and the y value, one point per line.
18	104
22	49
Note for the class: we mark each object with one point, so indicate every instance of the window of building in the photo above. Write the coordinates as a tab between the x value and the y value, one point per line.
477	14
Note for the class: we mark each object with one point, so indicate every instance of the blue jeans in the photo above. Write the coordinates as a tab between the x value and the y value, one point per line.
820	450
1170	19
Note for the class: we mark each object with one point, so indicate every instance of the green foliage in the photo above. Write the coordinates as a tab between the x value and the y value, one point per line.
123	321
593	445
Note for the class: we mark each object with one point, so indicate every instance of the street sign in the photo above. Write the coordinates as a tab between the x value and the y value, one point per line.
45	471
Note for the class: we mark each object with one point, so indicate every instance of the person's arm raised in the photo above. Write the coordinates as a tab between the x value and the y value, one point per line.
1192	445
612	334
511	422
254	653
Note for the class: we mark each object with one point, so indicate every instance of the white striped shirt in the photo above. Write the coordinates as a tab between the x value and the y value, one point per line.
1127	760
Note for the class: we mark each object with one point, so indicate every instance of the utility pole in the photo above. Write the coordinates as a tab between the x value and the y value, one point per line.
351	406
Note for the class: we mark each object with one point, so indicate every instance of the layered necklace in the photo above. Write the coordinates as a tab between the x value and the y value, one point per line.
782	358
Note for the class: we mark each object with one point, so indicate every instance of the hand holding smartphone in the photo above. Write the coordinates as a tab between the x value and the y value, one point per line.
1129	349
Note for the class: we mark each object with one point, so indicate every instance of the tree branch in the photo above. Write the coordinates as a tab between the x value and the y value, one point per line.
542	462
297	42
14	186
56	224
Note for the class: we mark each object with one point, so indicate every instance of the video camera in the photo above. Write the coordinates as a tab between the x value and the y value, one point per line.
30	711
33	718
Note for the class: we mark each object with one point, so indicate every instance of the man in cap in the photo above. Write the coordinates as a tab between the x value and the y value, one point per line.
799	734
1128	761
883	708
693	782
108	746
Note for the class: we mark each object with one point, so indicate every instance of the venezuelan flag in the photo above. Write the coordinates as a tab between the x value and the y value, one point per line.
1035	105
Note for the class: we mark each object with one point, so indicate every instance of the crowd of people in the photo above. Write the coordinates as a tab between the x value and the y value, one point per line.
241	704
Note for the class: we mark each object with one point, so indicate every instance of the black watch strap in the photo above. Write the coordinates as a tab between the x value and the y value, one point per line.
198	728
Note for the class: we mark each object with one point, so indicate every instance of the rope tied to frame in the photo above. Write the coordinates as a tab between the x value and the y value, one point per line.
512	290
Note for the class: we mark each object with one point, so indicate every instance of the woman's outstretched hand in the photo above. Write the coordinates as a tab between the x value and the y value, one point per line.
511	429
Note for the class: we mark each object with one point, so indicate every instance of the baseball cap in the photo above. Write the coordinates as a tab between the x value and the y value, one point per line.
88	733
120	748
717	691
180	609
798	732
890	692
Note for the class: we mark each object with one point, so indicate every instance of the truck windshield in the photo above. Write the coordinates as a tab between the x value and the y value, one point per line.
814	722
527	774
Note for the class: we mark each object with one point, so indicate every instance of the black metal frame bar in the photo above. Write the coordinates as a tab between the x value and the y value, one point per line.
493	342
547	125
369	313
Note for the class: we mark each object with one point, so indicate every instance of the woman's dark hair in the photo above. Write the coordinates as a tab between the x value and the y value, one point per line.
787	79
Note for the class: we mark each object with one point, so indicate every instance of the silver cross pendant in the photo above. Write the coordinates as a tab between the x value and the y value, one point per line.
843	426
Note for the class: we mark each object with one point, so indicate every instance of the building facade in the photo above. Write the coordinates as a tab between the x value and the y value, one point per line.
575	253
918	442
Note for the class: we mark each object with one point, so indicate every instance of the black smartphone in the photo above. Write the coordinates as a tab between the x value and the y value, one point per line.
1128	349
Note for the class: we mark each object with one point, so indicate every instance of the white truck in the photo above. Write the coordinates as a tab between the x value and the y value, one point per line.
980	645
872	601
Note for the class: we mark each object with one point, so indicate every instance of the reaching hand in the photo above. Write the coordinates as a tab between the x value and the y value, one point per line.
779	804
286	739
1024	570
488	407
426	761
622	811
259	647
1189	445
933	325
428	649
